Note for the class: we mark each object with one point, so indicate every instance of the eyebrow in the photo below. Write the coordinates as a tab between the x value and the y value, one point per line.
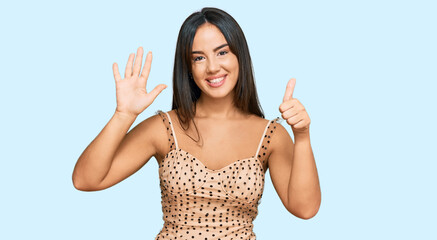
215	49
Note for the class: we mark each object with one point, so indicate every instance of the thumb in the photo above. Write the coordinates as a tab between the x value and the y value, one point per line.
157	90
289	90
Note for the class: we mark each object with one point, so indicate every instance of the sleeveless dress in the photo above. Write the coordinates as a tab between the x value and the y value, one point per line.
201	203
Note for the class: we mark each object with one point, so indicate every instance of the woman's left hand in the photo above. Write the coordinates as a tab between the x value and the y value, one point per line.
293	111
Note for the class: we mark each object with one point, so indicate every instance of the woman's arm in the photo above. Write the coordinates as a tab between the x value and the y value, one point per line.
304	187
292	166
94	163
294	173
114	155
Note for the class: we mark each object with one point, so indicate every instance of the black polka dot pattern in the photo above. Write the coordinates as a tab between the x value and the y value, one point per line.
262	152
202	203
167	122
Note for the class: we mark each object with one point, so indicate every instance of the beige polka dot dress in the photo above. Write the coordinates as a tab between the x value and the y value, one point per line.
205	204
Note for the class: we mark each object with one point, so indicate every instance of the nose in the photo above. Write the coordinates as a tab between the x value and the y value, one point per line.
213	65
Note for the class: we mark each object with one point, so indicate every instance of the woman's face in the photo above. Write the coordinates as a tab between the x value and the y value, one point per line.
214	66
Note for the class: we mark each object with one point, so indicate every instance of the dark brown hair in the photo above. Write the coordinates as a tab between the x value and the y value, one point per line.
186	92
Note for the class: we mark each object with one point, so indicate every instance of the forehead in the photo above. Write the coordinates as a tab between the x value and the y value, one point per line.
207	37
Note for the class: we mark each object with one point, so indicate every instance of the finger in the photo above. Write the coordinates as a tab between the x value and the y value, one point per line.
289	90
128	71
295	119
117	76
286	105
138	62
301	124
289	113
146	68
157	90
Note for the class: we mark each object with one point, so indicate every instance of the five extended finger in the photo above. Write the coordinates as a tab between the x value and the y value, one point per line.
138	62
117	76
128	71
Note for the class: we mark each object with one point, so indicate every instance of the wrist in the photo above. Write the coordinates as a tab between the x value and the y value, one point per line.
125	116
305	135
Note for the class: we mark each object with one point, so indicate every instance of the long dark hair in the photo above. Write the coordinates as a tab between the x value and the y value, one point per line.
186	92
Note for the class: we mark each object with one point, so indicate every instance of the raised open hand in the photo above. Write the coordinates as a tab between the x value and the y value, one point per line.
131	93
293	111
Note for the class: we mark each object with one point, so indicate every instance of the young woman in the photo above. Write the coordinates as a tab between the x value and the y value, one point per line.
214	147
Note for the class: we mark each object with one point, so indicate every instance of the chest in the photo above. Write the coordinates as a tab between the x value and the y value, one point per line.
218	145
182	173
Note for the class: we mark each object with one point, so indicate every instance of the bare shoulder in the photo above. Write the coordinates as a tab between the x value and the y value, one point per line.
151	124
173	115
281	139
154	129
256	120
281	135
276	132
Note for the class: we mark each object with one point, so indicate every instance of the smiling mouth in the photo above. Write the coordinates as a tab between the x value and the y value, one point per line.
216	80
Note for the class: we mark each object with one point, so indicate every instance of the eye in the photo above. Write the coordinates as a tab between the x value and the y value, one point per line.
221	53
198	58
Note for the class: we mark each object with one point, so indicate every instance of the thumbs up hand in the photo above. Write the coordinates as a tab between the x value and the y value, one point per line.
293	111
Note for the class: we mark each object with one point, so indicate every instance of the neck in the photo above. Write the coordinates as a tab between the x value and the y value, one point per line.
223	108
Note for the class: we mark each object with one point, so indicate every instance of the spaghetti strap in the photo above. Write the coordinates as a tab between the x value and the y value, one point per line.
265	139
172	129
173	143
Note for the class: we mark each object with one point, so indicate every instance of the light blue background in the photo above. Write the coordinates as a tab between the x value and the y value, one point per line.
365	70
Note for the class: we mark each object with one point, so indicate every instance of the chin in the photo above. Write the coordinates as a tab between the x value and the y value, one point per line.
219	94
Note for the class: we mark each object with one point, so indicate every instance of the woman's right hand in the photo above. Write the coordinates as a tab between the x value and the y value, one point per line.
131	93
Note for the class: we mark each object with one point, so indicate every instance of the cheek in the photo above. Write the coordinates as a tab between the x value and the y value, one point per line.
235	67
197	71
231	65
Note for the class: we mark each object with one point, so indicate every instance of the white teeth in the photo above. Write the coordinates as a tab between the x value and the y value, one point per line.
217	80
